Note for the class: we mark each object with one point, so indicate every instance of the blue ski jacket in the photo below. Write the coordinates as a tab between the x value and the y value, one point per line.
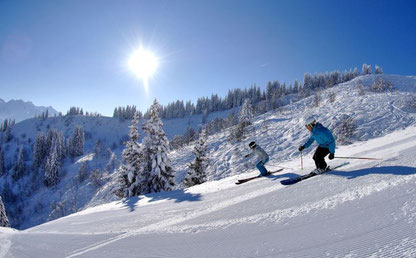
323	137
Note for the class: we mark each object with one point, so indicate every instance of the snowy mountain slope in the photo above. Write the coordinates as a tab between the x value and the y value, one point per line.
366	209
20	110
281	132
71	194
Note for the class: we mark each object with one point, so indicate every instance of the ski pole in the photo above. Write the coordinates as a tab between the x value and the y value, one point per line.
301	160
356	158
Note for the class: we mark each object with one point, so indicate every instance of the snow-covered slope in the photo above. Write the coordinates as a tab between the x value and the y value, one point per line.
32	203
365	209
279	132
20	110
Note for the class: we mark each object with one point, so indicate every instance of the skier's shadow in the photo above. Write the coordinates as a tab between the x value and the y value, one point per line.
393	170
177	195
280	176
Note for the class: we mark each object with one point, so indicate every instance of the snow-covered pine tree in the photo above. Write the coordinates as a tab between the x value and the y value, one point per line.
112	163
76	144
366	69
52	166
317	98
61	148
197	169
355	73
345	129
4	221
19	168
40	151
84	171
378	70
131	175
190	135
295	86
246	112
156	147
8	134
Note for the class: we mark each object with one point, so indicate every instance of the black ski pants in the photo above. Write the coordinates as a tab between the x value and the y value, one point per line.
319	157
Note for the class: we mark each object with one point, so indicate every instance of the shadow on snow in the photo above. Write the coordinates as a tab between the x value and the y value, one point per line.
179	195
393	170
280	176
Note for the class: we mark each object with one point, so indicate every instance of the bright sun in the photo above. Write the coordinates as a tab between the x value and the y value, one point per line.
143	64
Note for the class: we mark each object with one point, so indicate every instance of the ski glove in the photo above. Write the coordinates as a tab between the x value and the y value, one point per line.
301	148
331	156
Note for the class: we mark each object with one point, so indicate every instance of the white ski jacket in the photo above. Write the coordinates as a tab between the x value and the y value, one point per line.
260	153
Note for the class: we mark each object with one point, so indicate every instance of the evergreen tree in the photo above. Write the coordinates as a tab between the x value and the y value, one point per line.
197	169
40	151
246	112
355	73
378	70
61	148
156	146
52	166
131	176
4	221
345	129
231	120
190	135
76	144
84	171
19	168
112	163
8	134
296	86
366	69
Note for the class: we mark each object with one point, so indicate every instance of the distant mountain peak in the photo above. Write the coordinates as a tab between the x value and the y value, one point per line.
20	110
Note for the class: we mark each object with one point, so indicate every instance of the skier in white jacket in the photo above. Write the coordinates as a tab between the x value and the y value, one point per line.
261	155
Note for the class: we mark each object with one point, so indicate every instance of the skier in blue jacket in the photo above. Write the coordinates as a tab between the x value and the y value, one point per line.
326	141
261	155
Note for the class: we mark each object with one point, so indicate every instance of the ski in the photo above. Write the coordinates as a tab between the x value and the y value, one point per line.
240	181
295	180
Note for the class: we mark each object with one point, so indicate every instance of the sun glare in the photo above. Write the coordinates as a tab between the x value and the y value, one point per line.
143	64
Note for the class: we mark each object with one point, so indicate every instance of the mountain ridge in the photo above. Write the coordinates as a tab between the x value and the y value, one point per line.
20	110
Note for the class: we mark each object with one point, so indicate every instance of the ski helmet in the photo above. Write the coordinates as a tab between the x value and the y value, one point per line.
252	144
310	120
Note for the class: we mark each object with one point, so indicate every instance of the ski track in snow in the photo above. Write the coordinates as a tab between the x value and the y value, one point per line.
159	226
5	245
228	211
277	216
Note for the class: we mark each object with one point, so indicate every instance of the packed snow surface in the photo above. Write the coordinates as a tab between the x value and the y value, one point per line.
365	209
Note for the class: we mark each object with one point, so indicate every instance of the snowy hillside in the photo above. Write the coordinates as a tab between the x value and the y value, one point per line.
30	203
365	209
279	132
20	110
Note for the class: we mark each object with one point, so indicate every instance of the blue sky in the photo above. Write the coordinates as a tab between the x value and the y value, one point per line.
74	53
